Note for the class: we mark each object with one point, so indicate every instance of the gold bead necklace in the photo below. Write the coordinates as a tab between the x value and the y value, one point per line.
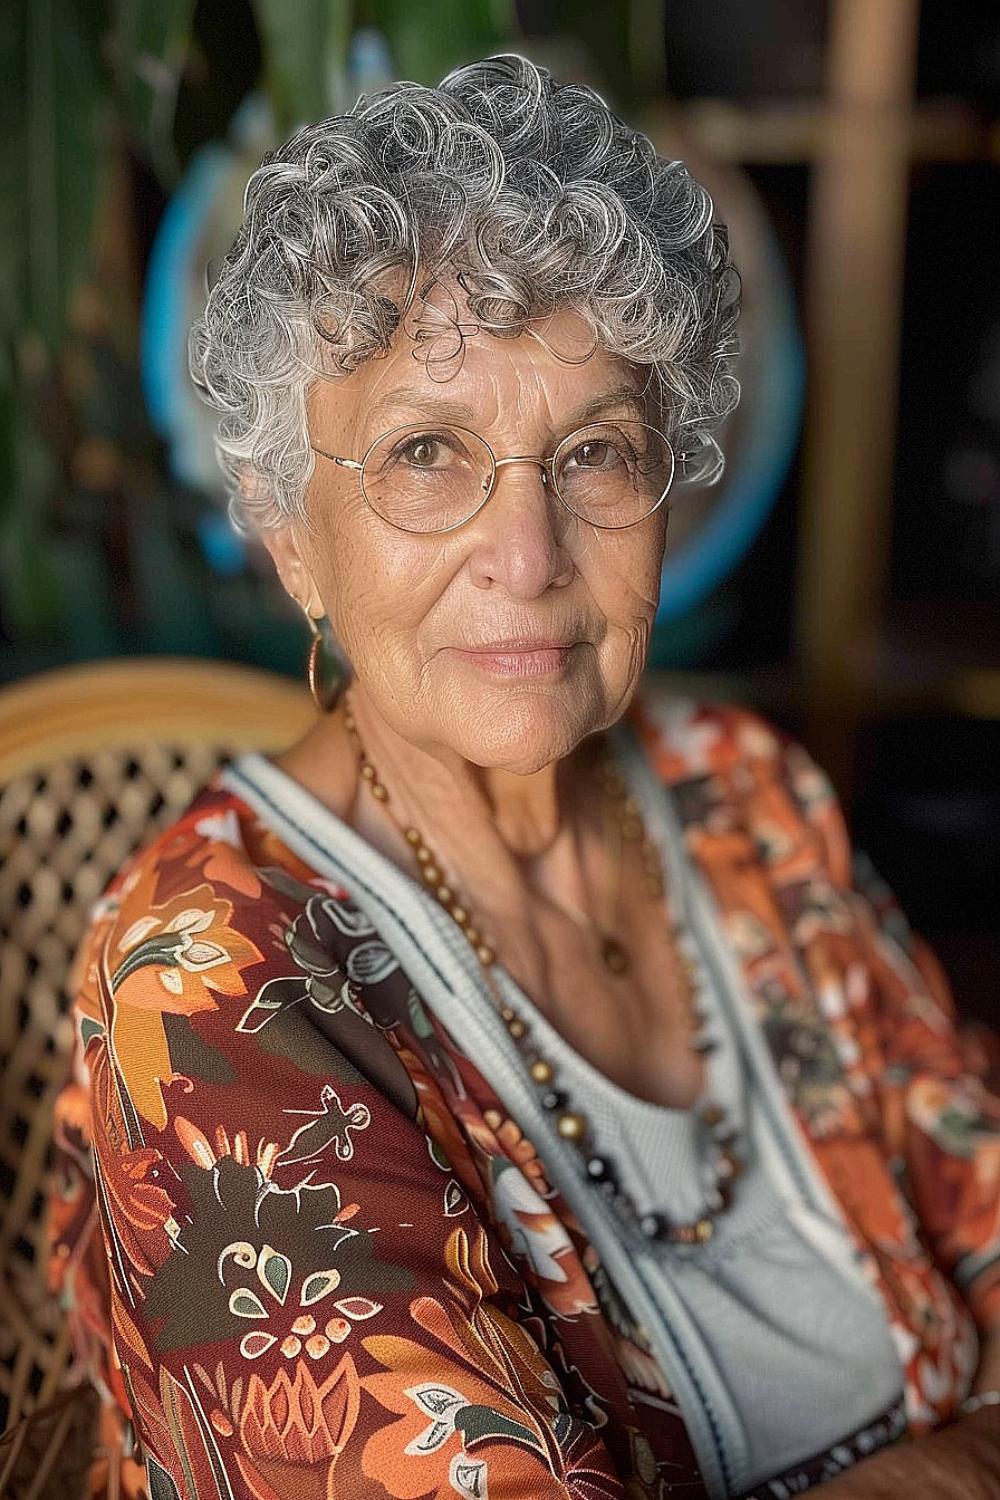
572	1125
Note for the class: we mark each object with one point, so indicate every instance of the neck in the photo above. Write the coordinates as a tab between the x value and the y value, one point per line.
438	790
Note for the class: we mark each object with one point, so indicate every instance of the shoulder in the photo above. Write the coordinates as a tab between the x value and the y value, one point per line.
217	959
189	915
727	757
212	856
219	839
686	738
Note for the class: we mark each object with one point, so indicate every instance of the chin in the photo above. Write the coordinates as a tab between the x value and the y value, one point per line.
522	733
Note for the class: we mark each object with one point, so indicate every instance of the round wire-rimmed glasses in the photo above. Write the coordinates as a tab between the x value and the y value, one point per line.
429	478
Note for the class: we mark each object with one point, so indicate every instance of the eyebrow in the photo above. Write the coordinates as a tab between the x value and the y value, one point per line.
412	401
625	395
411	398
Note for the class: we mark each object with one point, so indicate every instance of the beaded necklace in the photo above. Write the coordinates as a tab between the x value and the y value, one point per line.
622	812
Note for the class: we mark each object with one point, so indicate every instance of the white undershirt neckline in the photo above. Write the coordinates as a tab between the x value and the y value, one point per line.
656	1283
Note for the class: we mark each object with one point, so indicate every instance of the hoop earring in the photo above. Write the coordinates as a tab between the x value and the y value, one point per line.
325	671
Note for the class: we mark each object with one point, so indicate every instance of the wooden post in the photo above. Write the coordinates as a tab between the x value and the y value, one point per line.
856	253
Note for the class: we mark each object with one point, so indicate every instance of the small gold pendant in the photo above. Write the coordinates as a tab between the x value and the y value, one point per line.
614	954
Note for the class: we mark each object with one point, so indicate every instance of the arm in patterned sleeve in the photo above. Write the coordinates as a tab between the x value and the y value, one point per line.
942	1122
303	1300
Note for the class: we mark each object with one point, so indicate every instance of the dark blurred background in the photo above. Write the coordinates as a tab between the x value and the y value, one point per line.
845	578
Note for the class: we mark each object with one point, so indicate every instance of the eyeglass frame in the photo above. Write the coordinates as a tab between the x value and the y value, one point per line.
544	464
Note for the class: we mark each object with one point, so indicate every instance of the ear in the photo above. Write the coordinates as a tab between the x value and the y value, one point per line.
286	553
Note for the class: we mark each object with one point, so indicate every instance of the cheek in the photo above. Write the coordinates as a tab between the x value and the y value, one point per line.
623	573
374	582
630	596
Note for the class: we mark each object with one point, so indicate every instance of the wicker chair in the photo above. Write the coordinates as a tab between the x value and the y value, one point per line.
93	761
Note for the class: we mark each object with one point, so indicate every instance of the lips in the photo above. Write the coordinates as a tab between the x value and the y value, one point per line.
520	643
518	658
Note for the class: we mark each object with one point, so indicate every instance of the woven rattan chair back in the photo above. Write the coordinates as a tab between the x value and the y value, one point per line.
94	760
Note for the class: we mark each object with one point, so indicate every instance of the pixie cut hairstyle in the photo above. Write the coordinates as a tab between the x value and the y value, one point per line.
527	193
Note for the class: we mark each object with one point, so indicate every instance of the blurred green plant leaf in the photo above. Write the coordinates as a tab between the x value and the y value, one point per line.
148	46
13	196
8	430
305	52
53	136
13	258
425	44
29	594
61	143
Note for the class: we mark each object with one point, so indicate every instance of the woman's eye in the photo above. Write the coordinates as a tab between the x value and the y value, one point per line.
424	453
596	454
431	450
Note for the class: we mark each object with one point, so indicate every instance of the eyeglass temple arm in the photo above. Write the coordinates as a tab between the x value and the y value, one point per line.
345	463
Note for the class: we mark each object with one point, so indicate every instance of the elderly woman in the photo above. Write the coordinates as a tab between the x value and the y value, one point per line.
506	1092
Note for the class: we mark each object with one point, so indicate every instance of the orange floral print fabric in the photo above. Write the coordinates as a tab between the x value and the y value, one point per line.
290	1267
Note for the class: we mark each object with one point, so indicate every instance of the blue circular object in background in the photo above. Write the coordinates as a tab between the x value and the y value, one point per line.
200	220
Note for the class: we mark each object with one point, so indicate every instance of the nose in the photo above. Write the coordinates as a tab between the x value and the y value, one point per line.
520	535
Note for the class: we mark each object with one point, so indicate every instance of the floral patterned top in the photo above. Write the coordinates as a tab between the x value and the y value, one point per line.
288	1260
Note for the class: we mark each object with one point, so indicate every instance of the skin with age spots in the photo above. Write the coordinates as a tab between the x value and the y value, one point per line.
483	658
411	611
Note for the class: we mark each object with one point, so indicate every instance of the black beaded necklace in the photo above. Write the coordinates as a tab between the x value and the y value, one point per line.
572	1124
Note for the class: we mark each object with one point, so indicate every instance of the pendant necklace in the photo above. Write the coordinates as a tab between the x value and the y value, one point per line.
623	825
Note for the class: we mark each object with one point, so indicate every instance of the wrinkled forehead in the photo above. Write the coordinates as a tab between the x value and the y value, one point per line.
445	360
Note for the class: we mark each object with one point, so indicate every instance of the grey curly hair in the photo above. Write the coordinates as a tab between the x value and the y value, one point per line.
529	191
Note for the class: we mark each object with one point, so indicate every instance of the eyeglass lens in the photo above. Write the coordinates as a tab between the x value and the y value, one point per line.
426	479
